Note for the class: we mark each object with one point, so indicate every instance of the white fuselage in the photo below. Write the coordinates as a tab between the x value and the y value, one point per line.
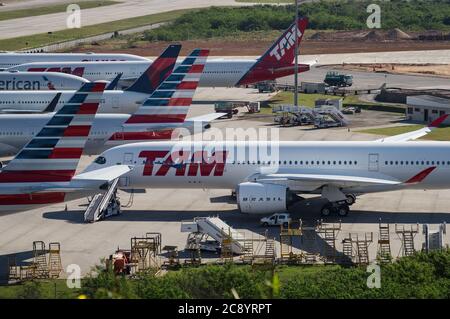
392	161
39	81
16	130
217	72
115	101
10	59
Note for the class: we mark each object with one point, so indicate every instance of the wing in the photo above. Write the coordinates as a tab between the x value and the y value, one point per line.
314	181
88	181
106	174
415	134
319	180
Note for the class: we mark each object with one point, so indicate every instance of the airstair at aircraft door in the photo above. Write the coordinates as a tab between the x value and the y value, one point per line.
216	229
98	206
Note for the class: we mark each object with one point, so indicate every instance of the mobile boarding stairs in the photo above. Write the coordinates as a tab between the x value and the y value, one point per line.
217	229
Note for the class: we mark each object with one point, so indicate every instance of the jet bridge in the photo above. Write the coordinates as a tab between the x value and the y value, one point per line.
216	229
104	204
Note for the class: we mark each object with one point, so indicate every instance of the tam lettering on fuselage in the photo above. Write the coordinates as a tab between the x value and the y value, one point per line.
285	43
79	71
185	163
14	85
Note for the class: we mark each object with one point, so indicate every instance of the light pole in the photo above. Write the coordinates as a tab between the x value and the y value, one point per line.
296	56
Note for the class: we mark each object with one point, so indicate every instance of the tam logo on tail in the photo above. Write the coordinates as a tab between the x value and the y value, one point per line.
285	43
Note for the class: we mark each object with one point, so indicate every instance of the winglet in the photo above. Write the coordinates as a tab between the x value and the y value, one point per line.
113	84
438	121
51	107
421	176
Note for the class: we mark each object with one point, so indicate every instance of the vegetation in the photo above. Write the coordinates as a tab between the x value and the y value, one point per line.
14	14
237	21
419	276
267	1
439	134
43	39
324	15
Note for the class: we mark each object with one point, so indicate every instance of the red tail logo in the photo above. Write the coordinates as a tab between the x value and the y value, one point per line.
285	43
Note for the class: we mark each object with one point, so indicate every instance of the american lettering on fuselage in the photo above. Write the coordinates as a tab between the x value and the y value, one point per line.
20	85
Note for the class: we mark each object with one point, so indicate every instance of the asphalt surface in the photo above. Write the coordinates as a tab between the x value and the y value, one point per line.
364	80
162	210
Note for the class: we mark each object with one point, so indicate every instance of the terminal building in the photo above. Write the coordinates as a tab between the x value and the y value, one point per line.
427	108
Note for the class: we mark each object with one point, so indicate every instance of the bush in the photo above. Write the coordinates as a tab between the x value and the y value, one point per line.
419	276
331	15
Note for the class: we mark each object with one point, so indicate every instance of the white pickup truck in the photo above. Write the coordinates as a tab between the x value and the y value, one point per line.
276	219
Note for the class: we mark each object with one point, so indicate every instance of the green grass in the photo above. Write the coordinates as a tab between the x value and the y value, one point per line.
266	1
38	40
48	289
439	134
15	14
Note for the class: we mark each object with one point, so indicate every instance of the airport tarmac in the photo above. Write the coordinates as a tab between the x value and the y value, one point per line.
162	210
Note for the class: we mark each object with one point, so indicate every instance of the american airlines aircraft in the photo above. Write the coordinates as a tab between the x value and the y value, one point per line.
160	118
268	176
10	59
43	172
113	101
275	63
39	81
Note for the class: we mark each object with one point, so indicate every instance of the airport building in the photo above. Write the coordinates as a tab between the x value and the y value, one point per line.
426	108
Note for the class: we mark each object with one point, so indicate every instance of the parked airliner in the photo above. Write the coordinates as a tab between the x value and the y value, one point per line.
268	176
160	118
275	63
39	81
43	172
113	101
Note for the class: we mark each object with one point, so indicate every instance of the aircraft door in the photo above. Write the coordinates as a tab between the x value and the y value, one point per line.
115	103
373	162
128	159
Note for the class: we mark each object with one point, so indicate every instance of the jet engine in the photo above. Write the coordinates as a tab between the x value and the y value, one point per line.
263	198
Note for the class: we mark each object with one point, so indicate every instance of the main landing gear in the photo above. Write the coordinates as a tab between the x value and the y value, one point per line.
342	208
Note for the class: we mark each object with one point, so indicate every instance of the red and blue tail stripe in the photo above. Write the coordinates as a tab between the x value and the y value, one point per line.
169	104
157	72
53	154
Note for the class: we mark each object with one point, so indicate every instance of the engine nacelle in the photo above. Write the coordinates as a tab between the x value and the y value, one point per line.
260	198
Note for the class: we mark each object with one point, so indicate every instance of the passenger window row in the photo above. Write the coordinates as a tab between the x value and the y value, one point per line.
341	162
401	163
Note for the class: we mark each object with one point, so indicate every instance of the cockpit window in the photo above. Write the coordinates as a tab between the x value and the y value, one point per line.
100	160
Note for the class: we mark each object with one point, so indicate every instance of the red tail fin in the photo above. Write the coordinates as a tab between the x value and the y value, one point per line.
279	56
